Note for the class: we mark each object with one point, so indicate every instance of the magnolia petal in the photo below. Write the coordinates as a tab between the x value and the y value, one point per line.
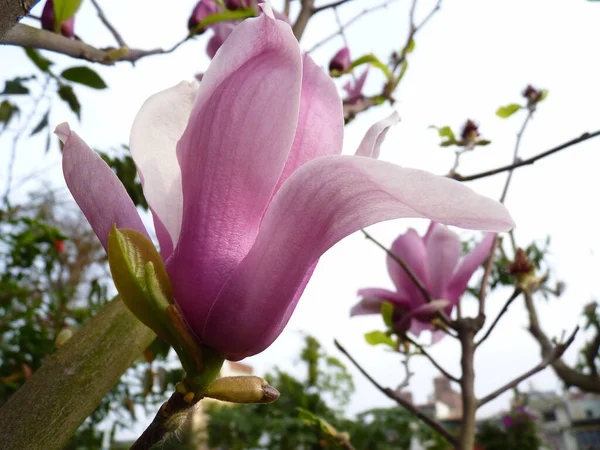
322	202
231	156
409	247
221	31
100	195
468	266
372	299
156	130
443	253
419	319
320	129
371	143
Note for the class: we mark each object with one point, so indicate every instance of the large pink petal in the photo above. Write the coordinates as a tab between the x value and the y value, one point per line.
371	143
468	266
320	129
322	202
95	187
443	253
409	247
420	318
156	130
372	299
231	156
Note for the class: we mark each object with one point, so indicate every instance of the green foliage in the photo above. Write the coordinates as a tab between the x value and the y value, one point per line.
84	75
8	111
16	86
238	14
67	94
519	432
374	61
379	337
36	58
126	171
63	10
508	110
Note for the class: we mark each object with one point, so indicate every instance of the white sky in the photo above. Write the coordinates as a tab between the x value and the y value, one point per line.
473	57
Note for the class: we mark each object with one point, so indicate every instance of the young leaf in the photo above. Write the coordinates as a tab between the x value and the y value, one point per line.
543	96
63	10
41	63
387	312
14	87
238	14
67	94
379	337
84	75
374	61
43	124
508	110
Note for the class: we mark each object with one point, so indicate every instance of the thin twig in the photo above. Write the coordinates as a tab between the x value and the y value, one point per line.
22	35
319	9
390	393
512	298
528	161
516	154
108	25
557	352
432	360
350	22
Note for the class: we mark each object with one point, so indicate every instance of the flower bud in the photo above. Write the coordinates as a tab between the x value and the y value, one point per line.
67	27
237	4
341	61
242	390
203	9
470	133
521	265
533	96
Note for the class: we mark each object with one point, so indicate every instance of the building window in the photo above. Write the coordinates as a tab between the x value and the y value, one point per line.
589	440
589	414
549	416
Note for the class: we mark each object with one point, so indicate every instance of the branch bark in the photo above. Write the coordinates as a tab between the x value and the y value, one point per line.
467	328
570	376
306	12
47	409
11	11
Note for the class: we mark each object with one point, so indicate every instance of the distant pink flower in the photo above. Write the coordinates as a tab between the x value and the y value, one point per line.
354	88
508	421
202	10
67	27
435	260
247	187
341	61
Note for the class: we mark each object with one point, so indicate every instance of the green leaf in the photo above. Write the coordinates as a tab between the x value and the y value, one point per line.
379	337
67	94
411	46
42	63
140	277
483	142
387	312
508	110
43	124
446	132
238	14
63	10
84	75
374	61
310	418
7	111
543	96
15	87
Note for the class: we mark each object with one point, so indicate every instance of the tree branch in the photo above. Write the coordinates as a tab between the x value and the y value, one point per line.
591	352
514	295
467	328
306	12
525	162
51	405
556	352
26	36
11	11
108	25
570	376
319	9
432	360
390	393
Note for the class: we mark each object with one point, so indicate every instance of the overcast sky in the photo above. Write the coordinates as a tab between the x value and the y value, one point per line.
473	57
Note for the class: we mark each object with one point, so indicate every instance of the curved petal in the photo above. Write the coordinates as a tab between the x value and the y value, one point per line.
409	247
155	132
468	266
372	299
419	318
320	129
95	187
322	202
371	143
221	31
443	253
231	156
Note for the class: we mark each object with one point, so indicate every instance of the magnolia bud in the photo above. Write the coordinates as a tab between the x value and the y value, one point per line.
237	4
67	27
242	390
341	61
470	133
203	9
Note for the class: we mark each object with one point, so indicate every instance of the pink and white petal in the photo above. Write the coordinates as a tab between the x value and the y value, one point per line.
371	143
322	202
231	156
385	296
367	305
320	130
420	318
100	195
443	253
156	130
437	336
470	263
221	31
409	247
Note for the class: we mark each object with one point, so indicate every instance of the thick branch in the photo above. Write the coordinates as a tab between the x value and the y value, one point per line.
467	328
591	352
556	352
48	408
26	36
306	12
11	11
525	162
570	376
390	393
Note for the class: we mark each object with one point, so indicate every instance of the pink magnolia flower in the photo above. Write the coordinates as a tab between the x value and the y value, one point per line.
341	61
247	187
435	260
67	27
354	88
203	9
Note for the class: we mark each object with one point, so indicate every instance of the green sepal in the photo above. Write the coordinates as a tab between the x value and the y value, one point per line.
508	110
243	389
387	312
374	61
63	10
